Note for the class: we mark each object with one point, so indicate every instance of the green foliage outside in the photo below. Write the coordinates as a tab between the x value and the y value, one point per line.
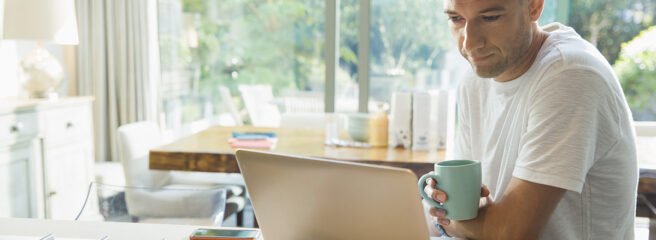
637	73
405	37
609	23
273	42
408	35
243	42
281	42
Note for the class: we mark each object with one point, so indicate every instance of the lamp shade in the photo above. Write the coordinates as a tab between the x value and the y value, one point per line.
40	20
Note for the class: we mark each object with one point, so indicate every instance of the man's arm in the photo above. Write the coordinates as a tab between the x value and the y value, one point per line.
522	213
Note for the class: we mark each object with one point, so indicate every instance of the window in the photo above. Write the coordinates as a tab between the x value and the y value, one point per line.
205	44
411	48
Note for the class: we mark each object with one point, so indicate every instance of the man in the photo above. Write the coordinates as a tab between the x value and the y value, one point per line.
550	124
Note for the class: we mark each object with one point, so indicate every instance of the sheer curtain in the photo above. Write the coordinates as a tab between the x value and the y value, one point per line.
118	63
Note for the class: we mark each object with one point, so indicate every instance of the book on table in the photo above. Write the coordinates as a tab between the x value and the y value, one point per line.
261	140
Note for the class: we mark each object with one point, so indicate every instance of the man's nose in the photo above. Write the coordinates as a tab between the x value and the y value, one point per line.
473	37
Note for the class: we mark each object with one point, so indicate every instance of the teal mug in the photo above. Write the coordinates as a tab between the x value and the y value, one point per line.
461	181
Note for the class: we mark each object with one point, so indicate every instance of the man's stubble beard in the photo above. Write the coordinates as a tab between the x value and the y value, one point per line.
500	66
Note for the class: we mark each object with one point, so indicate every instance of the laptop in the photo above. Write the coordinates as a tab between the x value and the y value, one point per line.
301	198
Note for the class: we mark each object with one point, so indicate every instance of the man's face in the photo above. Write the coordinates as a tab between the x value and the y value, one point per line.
492	34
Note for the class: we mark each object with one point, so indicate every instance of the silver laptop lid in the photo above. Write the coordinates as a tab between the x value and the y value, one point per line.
301	198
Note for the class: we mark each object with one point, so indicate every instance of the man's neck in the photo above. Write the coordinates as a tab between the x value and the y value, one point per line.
525	62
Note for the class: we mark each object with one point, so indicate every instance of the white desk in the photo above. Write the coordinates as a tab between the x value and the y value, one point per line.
93	230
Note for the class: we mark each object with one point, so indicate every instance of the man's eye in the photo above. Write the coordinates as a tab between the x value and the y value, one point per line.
455	18
491	18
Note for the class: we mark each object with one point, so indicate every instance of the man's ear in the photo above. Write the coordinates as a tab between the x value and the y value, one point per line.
535	8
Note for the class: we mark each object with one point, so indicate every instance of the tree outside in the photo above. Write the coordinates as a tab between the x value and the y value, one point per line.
281	43
211	43
607	24
636	69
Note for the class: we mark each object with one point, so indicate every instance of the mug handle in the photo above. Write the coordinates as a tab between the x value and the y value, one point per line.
422	184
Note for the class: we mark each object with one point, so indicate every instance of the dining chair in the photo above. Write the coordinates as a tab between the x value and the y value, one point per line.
258	101
134	142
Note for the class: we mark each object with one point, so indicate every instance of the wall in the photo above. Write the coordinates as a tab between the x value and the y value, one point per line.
11	51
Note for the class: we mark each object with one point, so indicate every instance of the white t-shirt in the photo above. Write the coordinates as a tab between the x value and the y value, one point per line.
564	123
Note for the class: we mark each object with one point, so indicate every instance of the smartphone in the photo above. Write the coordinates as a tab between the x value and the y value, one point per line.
224	234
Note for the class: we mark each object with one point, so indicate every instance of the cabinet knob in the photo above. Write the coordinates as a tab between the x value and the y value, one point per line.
16	127
69	125
52	193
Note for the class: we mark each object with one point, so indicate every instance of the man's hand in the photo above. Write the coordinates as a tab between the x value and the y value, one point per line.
441	197
522	212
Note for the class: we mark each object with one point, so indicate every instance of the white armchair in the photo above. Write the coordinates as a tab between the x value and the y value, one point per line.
134	142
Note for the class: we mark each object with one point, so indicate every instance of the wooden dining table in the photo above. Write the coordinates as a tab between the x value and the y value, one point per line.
210	151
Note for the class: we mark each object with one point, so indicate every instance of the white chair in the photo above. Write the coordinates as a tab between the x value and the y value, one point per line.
258	101
134	142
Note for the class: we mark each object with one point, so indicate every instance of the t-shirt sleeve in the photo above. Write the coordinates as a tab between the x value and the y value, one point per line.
560	142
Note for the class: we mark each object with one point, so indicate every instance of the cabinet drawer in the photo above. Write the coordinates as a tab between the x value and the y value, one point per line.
63	124
18	125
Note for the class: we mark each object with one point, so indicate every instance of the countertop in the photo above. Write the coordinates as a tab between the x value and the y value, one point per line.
11	105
